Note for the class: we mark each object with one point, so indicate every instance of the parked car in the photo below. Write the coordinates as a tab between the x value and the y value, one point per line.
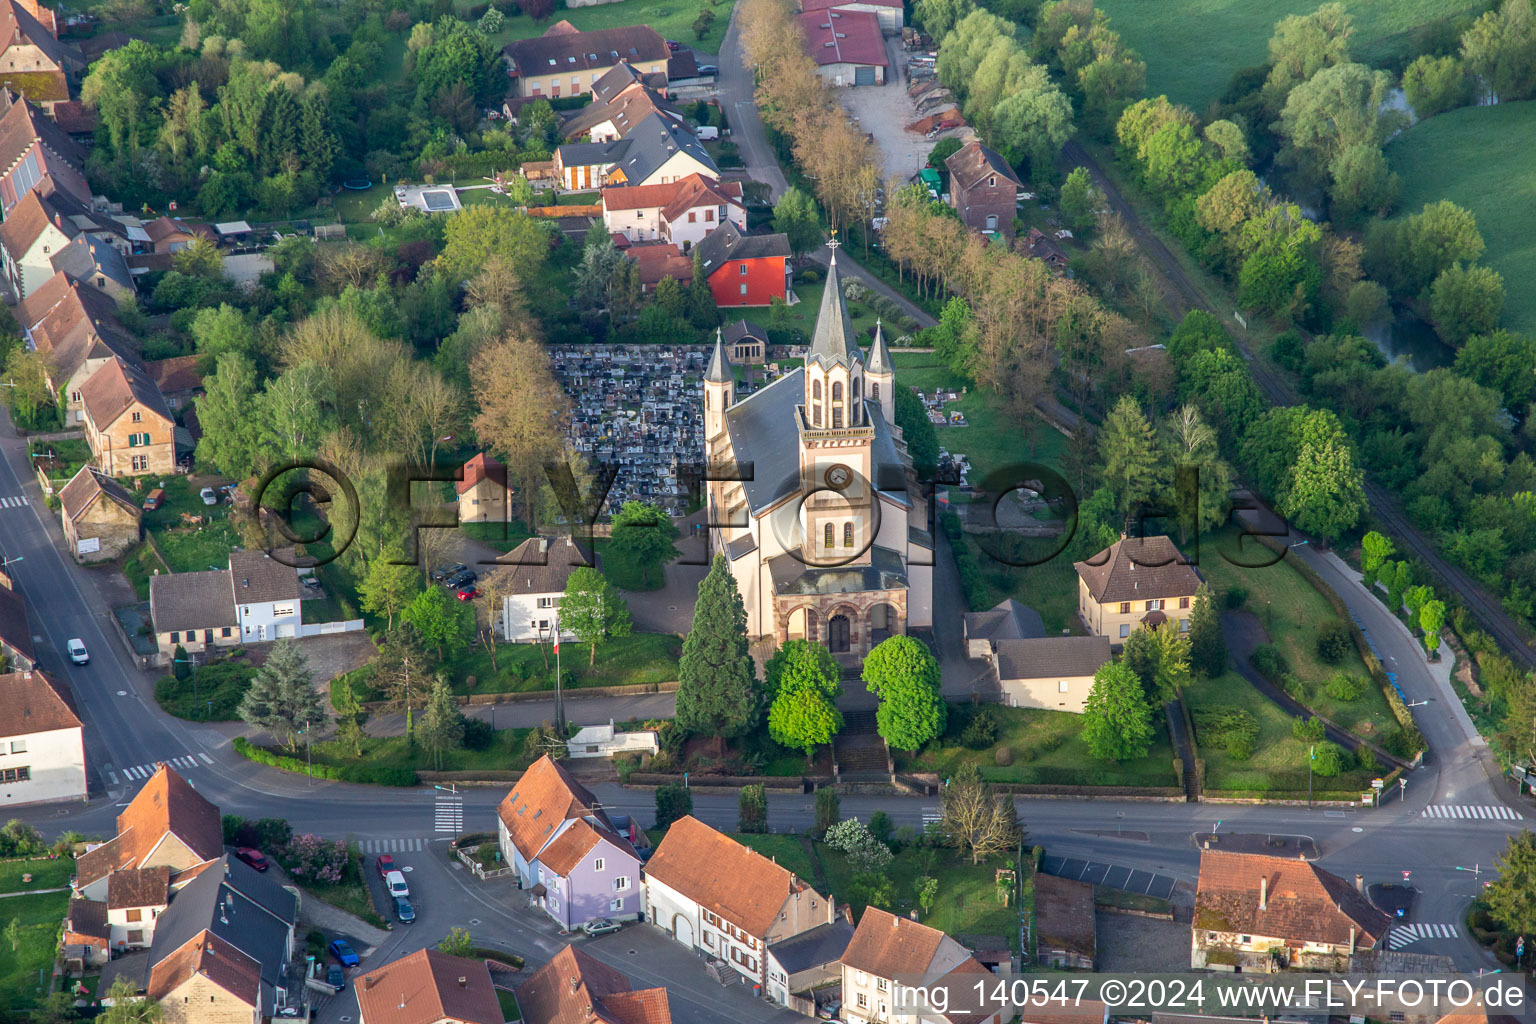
468	592
404	911
385	864
154	499
707	133
461	579
255	858
830	1011
674	45
601	926
342	950
311	581
209	496
708	69
77	652
336	977
395	883
447	572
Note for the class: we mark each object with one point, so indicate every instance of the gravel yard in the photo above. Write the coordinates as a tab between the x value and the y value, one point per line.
1138	945
885	111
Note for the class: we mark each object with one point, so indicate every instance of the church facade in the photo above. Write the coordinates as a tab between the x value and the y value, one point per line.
812	498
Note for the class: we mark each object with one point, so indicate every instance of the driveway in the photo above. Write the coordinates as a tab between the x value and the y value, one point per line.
884	111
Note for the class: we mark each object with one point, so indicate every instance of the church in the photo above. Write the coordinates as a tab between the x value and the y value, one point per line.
813	499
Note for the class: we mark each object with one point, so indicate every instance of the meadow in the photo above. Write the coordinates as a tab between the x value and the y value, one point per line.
1480	159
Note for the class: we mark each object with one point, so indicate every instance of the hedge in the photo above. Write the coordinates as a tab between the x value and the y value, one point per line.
367	774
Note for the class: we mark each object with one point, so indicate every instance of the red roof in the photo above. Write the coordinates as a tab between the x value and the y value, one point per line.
822	5
844	37
479	468
661	259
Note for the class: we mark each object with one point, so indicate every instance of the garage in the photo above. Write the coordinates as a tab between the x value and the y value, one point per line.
682	930
864	75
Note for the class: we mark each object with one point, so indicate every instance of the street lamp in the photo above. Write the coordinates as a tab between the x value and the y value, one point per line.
189	660
1311	756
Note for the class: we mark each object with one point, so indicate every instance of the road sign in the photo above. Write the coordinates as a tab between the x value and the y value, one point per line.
1378	784
1520	946
1406	874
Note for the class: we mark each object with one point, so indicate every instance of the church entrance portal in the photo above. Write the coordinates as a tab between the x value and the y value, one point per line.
837	634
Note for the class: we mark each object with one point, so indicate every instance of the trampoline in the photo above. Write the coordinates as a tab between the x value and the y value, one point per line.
357	184
439	200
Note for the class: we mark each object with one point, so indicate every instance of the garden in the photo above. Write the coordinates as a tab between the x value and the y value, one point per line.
330	870
31	930
207	693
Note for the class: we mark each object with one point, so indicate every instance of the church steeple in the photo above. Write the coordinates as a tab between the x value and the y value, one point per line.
879	354
834	343
719	389
719	363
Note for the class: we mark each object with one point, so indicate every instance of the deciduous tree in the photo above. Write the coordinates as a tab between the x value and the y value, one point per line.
976	819
439	619
594	610
644	534
1117	721
801	683
1464	301
795	215
904	674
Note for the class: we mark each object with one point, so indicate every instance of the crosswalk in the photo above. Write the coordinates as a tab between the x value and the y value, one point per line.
1464	811
448	813
392	845
15	501
140	772
932	816
1407	934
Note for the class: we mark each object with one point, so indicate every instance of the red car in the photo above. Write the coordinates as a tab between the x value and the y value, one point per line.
674	45
385	864
255	858
468	592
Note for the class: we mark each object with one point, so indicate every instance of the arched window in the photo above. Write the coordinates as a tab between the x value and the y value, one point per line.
848	535
816	390
837	391
875	391
828	537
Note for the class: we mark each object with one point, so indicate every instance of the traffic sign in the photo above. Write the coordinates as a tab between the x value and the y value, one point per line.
1378	784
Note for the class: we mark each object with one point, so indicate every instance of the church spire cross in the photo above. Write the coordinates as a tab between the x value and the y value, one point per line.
833	243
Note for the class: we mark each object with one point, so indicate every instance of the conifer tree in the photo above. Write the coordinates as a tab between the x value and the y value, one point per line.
718	691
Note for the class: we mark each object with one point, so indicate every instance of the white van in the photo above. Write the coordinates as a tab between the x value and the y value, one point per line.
395	883
708	133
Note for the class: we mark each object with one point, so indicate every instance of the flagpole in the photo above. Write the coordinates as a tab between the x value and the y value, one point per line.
559	704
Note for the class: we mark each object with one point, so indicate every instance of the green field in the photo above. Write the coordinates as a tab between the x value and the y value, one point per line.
1480	158
1192	46
672	18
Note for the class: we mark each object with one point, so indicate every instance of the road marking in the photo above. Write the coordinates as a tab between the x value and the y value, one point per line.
1407	934
393	845
1485	812
12	502
111	777
206	758
448	814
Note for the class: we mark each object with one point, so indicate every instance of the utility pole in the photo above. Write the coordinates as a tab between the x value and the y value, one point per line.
1311	756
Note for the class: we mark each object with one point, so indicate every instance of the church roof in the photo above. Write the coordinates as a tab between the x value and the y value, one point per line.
885	571
879	354
834	341
719	364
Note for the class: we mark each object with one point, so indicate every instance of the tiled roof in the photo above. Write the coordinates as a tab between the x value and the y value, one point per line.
166	804
19	27
26	221
654	141
639	197
624	111
541	801
87	917
74	117
257	577
88	256
824	944
139	887
1064	914
76	496
215	959
191	600
973	161
115	388
24	123
1302	902
71	323
659	260
1086	1011
563	52
723	876
575	988
888	946
1051	657
178	373
34	703
696	190
541	565
14	629
569	847
481	467
844	37
727	243
1138	569
645	1006
426	987
821	5
1007	620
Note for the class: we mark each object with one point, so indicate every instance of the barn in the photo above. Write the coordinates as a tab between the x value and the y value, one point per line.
847	46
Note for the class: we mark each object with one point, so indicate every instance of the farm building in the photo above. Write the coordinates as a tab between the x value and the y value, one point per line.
847	46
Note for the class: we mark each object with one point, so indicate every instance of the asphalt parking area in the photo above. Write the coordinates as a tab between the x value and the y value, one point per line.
1114	876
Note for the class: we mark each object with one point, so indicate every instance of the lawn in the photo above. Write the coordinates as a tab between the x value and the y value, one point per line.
671	19
626	572
1192	47
505	752
351	893
186	547
803	313
1049	588
501	536
24	971
1480	159
46	874
1047	749
210	693
788	851
139	563
508	1003
1292	611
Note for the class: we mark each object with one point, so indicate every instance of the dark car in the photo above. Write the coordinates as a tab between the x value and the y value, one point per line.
708	69
468	592
255	858
336	977
404	911
342	950
460	579
385	864
447	572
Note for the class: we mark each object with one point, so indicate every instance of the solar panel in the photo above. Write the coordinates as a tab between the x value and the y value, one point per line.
438	201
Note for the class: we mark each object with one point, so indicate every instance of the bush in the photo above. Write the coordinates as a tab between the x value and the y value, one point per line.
1003	756
378	775
1341	686
1334	642
1327	759
1288	351
269	834
880	826
827	809
981	731
809	276
1235	597
478	734
1365	759
1294	687
181	667
307	857
672	803
1270	663
1234	728
1309	730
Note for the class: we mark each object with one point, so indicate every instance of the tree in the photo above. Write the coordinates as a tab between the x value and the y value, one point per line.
128	1007
1117	721
1464	301
1229	140
475	234
231	418
349	718
1433	85
282	699
795	216
1338	108
1414	599
1033	122
438	618
801	687
200	258
387	588
1500	50
400	671
1207	643
1081	200
1172	670
827	810
1375	549
976	819
1431	618
1303	45
644	534
442	726
293	410
1364	184
458	942
904	674
672	802
1189	444
1502	361
1511	897
594	610
752	809
522	411
1324	491
1128	449
717	685
865	852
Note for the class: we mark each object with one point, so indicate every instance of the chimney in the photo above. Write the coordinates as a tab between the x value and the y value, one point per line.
58	220
1359	883
369	981
463	982
1263	891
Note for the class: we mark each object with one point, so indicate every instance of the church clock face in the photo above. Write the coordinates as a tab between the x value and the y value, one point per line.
838	477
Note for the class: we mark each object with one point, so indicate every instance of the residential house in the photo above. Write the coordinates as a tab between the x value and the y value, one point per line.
584	166
532	576
888	12
1089	1011
42	750
484	496
1136	581
1066	935
34	148
1052	672
566	62
745	270
658	260
887	949
713	894
428	987
172	234
746	343
1249	905
801	963
1007	620
621	76
656	151
207	979
682	212
195	610
166	823
566	851
127	423
77	331
983	189
848	46
101	519
136	897
614	118
15	631
33	61
267	594
92	259
178	379
32	234
86	942
575	988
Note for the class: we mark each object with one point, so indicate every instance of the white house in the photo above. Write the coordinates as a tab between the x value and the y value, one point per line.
31	236
532	581
267	595
42	750
681	212
136	897
606	741
711	893
888	953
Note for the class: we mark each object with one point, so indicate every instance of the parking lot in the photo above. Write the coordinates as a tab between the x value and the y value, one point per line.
884	111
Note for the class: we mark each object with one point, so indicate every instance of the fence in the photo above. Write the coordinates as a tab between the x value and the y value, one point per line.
469	860
478	699
319	629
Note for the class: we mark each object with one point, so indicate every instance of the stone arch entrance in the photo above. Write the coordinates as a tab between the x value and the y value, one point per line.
801	624
839	633
883	622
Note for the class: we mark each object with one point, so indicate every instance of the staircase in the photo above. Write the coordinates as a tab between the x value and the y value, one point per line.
1184	746
858	752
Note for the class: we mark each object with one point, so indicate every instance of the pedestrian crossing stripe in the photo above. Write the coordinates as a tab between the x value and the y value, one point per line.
12	502
144	771
1407	934
111	777
448	815
393	845
206	758
1463	811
